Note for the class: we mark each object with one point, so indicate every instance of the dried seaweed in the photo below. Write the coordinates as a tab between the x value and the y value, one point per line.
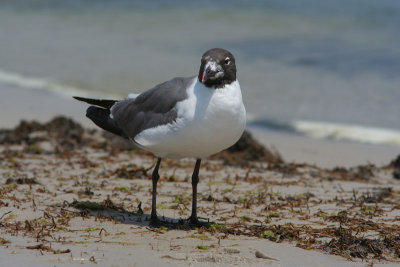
21	181
66	133
346	243
42	247
395	164
247	149
131	171
360	224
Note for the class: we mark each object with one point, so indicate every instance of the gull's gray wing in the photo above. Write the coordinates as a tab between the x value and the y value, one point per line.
152	108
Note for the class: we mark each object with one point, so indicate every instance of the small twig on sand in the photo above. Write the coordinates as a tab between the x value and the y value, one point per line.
5	214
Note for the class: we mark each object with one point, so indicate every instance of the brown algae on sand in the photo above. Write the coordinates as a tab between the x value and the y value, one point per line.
79	180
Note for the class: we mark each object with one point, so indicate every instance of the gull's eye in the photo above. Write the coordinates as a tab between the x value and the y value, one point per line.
227	61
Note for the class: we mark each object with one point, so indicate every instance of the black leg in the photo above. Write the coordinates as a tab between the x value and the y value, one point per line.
195	180
155	178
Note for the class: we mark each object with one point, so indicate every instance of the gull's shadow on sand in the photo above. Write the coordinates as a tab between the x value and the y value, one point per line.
108	210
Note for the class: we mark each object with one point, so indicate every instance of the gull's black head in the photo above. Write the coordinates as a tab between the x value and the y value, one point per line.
217	68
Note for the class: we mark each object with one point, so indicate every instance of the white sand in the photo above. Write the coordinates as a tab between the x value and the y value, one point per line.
127	241
141	255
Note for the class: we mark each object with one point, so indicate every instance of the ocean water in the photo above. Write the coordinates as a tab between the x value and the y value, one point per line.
326	69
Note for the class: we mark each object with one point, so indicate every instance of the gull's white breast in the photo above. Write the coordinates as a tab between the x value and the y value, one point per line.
208	121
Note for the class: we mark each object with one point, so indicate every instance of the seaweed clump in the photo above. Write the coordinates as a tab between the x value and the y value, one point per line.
247	149
395	164
345	244
62	133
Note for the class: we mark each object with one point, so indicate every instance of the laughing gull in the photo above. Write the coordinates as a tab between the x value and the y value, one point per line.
185	117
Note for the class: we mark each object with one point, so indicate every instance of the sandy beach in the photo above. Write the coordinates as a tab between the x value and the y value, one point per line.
71	196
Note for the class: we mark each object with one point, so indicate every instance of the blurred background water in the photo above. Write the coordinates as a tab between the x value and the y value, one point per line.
327	69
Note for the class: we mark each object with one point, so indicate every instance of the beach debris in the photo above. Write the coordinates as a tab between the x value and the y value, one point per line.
178	256
396	174
203	247
232	250
131	171
359	173
107	204
21	181
4	241
65	133
87	191
247	149
286	169
345	243
376	195
261	255
87	205
350	212
42	247
2	216
395	164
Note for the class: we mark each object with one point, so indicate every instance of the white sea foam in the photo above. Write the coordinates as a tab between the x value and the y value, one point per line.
333	131
336	131
34	83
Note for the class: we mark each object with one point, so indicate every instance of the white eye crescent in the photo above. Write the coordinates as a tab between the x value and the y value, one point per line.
227	60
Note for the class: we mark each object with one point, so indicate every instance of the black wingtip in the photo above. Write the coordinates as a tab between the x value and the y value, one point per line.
80	98
101	117
104	103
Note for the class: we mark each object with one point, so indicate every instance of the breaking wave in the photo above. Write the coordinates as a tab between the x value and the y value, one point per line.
34	83
334	131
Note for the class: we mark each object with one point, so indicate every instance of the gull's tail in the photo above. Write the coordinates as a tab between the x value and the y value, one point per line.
100	114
